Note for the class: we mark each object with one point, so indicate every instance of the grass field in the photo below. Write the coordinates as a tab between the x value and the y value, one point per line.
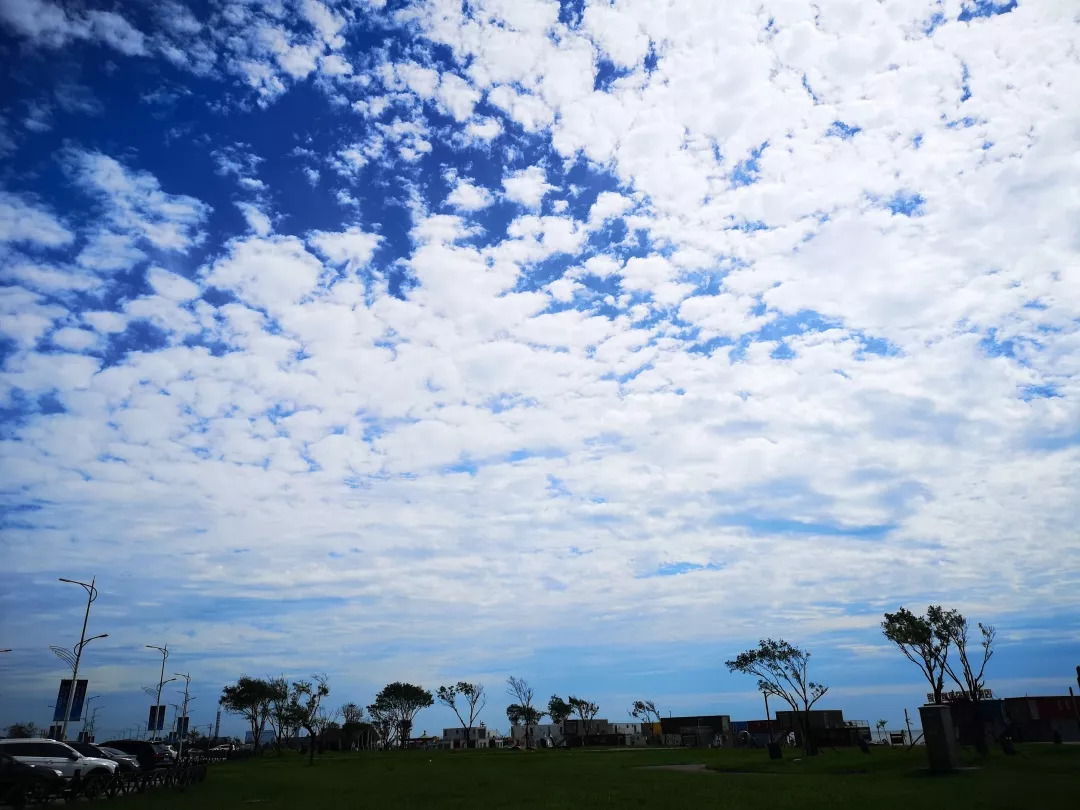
1042	776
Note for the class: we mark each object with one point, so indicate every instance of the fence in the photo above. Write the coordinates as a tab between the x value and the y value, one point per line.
21	792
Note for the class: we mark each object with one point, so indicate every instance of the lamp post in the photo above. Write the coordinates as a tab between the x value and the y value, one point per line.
187	699
86	713
91	595
161	681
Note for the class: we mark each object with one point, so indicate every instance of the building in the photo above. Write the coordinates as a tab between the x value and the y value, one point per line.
268	737
456	737
827	727
549	735
698	731
1038	719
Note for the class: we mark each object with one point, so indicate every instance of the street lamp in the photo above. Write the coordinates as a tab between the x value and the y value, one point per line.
91	595
161	682
86	713
187	699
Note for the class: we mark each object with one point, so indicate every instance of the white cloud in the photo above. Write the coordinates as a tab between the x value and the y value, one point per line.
527	186
608	205
269	272
352	246
135	202
171	286
108	251
466	196
256	219
52	26
22	222
485	129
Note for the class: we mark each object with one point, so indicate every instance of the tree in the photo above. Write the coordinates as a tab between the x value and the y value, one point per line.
250	697
473	697
781	670
352	721
558	711
970	680
397	704
587	712
23	730
881	728
924	640
285	711
644	711
528	714
308	696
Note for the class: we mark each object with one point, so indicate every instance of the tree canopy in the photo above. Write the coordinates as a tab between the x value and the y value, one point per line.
397	705
924	640
781	670
472	700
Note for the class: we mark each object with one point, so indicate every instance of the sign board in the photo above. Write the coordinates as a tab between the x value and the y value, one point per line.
182	725
62	698
157	719
55	731
956	697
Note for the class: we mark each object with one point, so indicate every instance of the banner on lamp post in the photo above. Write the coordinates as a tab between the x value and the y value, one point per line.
157	719
62	698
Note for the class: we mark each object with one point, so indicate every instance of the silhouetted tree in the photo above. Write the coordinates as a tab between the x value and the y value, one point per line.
352	721
587	711
781	670
970	677
250	697
644	711
23	730
398	704
558	711
924	640
519	689
309	696
472	696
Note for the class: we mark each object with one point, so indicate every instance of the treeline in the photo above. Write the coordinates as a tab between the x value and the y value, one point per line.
942	643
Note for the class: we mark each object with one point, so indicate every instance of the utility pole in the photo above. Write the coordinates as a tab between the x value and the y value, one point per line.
187	699
907	722
768	717
158	721
91	595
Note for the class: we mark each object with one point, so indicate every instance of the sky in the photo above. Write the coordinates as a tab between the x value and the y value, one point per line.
587	342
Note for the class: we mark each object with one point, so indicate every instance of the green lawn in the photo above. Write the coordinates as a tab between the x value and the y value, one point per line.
1042	776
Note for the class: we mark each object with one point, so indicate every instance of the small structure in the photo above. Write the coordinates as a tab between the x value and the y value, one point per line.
457	738
699	731
1038	719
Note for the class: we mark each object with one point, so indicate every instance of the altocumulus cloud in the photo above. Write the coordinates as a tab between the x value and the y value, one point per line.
377	338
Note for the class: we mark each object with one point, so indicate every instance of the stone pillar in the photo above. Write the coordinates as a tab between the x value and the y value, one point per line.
940	736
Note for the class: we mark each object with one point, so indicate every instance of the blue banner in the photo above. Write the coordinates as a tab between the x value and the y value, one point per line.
76	704
157	719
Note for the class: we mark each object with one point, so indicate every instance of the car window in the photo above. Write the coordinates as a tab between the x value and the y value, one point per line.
54	750
17	749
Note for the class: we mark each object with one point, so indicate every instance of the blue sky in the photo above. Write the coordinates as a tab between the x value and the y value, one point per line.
587	342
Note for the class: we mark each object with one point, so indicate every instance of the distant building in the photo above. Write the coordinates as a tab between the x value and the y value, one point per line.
1037	719
266	738
456	737
697	731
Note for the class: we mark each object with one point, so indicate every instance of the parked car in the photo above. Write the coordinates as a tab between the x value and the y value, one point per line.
22	783
121	757
126	762
58	756
150	755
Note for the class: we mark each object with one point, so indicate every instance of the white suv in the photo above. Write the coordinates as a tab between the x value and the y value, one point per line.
58	756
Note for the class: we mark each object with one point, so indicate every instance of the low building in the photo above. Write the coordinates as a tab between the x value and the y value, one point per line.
548	735
1038	719
457	738
697	731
